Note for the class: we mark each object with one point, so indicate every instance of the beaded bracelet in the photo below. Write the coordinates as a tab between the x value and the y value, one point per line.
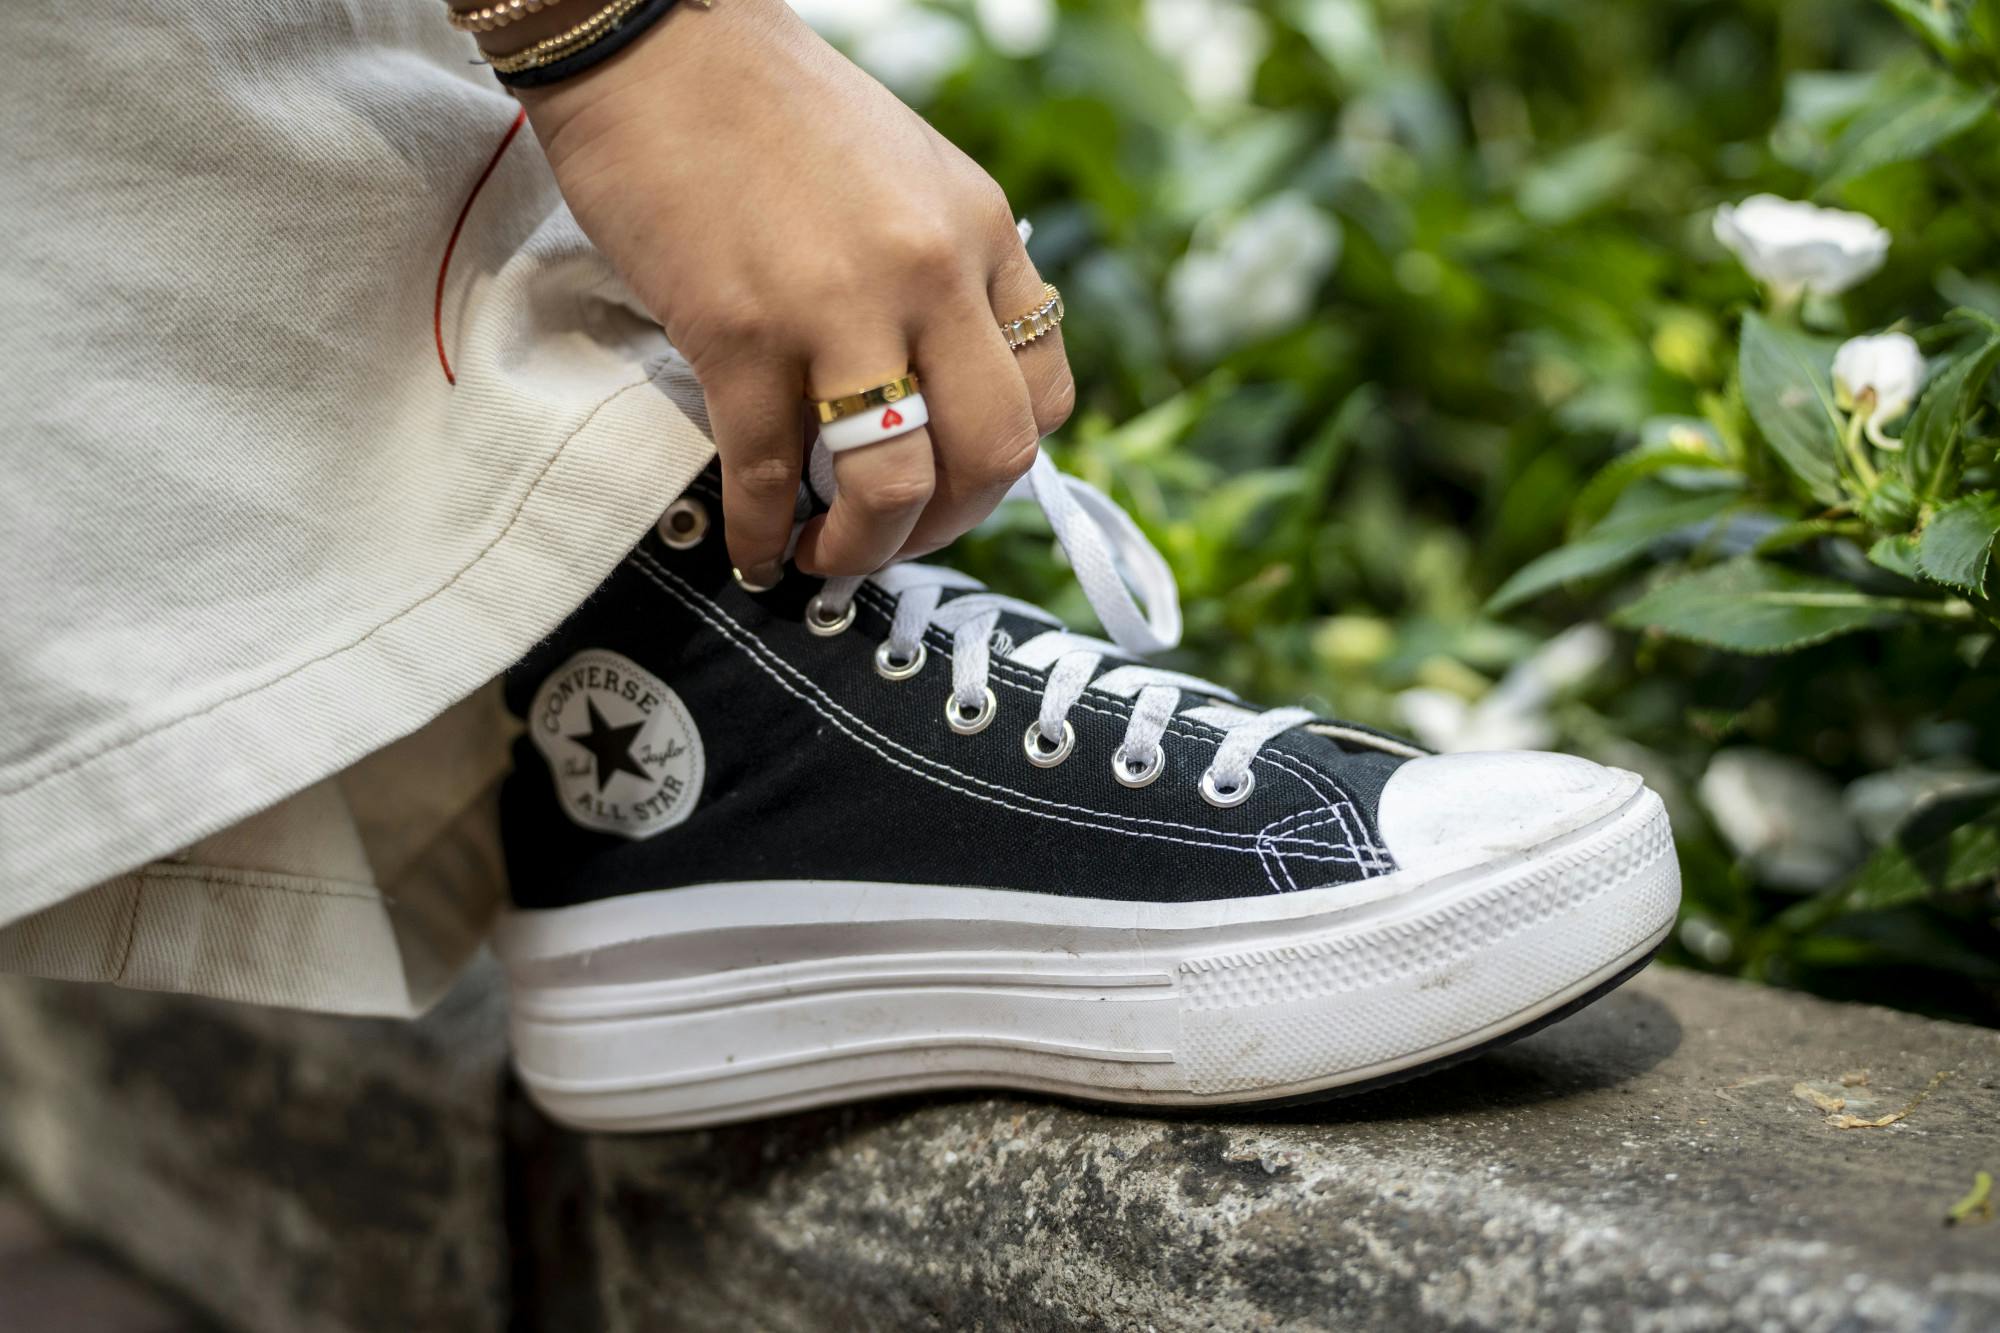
496	15
590	43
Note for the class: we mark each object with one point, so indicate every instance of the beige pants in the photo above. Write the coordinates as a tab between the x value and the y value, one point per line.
363	894
261	555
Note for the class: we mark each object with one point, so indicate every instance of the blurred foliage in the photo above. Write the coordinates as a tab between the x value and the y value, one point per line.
1378	309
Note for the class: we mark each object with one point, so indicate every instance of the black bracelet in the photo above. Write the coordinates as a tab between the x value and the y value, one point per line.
615	39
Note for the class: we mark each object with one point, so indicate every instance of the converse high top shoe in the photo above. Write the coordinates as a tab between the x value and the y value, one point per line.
772	850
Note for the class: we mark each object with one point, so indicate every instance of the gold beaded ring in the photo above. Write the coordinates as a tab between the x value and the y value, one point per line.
853	404
1037	322
496	15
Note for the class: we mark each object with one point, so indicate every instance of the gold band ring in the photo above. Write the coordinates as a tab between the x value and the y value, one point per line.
853	404
1042	319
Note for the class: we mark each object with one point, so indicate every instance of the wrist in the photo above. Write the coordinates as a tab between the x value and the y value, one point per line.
689	57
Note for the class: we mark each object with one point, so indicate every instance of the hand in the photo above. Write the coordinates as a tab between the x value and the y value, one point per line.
798	232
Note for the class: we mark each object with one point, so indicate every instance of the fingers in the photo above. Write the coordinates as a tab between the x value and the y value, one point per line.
989	408
754	411
982	420
1017	289
881	488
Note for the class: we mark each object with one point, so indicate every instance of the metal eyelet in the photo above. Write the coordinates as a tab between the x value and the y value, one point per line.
824	625
970	724
1237	795
684	524
752	588
888	668
1121	768
1040	758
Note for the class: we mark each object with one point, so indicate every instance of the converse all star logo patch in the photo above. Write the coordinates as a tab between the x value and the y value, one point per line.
620	744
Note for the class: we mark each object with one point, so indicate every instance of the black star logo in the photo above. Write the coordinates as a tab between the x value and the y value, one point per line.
611	747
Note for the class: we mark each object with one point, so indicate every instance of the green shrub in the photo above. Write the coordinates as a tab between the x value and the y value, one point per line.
1412	333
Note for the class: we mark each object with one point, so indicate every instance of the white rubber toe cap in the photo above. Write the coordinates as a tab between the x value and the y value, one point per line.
1448	811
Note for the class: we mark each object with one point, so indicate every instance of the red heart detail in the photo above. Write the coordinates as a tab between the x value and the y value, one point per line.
891	417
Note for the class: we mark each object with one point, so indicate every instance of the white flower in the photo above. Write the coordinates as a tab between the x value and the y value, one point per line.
1878	378
913	53
1783	817
1218	45
1257	276
1442	721
1883	802
1798	247
1017	27
1514	714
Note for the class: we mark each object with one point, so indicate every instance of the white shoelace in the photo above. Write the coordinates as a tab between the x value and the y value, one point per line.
1113	561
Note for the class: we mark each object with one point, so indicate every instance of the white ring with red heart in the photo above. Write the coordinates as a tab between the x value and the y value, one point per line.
876	425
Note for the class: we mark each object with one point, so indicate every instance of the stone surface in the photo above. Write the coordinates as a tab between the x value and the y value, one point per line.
281	1170
47	1282
1645	1164
1649	1163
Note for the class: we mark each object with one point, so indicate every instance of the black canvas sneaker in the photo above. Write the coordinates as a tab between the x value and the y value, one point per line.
835	840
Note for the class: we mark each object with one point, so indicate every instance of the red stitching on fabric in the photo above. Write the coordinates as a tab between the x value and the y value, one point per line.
444	265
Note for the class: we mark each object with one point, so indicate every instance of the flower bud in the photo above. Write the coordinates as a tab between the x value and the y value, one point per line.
1877	378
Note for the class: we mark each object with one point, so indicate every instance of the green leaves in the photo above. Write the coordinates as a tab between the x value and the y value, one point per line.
1941	851
1948	846
1788	387
1957	544
1612	543
1937	24
1753	606
1748	606
1917	117
1681	446
1931	440
1531	340
1898	555
1576	182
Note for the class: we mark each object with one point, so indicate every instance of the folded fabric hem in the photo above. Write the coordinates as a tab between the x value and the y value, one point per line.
602	488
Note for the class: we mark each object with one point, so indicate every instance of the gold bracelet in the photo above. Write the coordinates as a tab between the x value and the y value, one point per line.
565	43
496	15
830	410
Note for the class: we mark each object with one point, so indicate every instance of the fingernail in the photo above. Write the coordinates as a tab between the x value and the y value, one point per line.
759	578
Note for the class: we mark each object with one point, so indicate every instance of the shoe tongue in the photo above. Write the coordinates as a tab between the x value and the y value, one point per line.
1016	630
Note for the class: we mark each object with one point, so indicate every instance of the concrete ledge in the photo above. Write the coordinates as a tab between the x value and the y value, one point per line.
1646	1163
283	1171
1647	1155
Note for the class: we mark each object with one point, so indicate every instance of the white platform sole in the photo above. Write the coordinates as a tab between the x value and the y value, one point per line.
703	1005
